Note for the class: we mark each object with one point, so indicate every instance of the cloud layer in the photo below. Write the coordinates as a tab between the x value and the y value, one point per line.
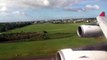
39	3
11	6
92	7
86	8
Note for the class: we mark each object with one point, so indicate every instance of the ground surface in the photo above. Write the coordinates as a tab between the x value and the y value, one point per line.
35	58
101	46
61	36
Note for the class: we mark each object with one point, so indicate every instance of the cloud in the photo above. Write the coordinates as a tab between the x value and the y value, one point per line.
74	9
39	3
13	13
13	7
86	8
18	13
92	7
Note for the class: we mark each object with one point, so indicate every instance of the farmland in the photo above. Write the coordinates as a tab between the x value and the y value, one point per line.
60	36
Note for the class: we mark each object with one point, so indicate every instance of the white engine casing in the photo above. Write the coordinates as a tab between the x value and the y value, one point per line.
89	31
69	54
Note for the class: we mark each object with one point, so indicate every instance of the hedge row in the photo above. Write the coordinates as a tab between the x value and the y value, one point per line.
22	36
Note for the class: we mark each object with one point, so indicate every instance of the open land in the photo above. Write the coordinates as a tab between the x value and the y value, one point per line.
60	36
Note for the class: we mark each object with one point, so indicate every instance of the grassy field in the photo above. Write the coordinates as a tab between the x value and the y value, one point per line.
52	28
61	36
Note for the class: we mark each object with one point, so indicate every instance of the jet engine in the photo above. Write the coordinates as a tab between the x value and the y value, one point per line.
63	53
89	31
69	54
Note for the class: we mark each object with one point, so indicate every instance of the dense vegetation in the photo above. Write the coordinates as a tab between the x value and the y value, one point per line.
60	36
14	37
8	26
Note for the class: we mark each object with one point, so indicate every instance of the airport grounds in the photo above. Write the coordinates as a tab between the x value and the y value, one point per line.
59	36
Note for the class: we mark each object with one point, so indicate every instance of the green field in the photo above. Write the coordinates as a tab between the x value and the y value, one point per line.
61	36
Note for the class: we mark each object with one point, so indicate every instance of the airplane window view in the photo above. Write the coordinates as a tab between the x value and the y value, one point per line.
53	30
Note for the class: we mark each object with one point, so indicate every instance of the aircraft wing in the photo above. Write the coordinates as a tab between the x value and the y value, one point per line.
102	21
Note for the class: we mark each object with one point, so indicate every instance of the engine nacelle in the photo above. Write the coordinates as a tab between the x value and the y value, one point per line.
89	31
69	54
63	54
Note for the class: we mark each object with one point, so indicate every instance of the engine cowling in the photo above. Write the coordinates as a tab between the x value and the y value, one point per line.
69	54
63	54
89	31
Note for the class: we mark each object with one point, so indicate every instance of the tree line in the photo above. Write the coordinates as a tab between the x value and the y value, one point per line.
8	26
